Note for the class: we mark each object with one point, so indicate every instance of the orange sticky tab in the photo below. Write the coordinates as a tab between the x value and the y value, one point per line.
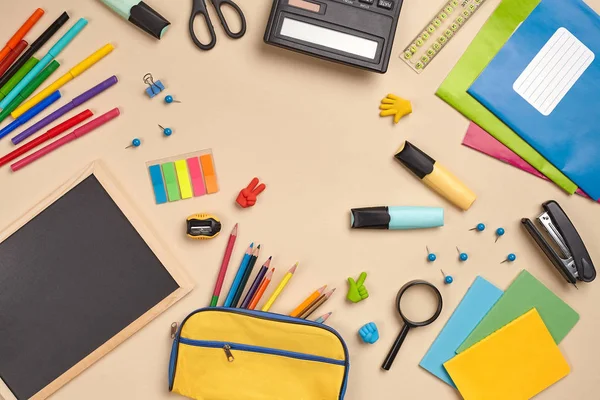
210	177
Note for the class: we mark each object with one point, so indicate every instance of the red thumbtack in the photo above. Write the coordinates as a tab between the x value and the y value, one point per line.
247	196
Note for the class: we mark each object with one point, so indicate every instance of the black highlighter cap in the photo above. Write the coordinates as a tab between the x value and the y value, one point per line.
415	160
143	16
370	217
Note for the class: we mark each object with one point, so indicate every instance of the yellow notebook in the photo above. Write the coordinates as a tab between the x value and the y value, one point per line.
516	362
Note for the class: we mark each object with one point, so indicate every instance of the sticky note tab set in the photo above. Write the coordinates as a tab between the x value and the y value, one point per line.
183	176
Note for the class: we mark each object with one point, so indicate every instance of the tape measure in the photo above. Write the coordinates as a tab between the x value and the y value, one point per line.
439	32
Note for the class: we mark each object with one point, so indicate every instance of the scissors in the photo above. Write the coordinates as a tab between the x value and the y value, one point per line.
199	8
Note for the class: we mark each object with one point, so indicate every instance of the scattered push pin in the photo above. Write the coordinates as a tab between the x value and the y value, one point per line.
153	88
134	143
169	99
447	278
479	228
462	256
166	131
499	232
510	258
431	257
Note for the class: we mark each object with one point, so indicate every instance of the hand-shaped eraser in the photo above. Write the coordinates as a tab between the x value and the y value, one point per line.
396	106
356	289
369	333
247	196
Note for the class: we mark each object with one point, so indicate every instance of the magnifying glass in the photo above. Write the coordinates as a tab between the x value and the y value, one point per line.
389	360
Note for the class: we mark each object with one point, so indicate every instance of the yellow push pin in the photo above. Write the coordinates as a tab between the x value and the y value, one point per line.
396	106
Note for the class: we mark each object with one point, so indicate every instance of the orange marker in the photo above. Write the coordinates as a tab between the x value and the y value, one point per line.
261	290
20	34
309	300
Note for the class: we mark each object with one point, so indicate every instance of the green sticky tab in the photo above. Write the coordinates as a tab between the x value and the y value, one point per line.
170	176
16	78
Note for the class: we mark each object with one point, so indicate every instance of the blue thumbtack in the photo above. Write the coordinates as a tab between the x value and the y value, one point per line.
479	228
447	278
510	258
135	143
166	131
462	256
169	99
499	232
431	257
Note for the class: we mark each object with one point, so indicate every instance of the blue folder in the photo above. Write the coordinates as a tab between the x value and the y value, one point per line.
545	85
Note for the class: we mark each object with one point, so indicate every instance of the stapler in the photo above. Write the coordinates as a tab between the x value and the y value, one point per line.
569	255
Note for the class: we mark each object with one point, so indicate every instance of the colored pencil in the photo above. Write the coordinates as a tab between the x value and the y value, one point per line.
35	46
256	284
323	318
238	276
280	288
20	34
313	307
261	289
12	56
224	265
240	289
308	301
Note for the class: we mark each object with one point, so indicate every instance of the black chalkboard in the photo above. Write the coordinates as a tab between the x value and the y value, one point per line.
72	278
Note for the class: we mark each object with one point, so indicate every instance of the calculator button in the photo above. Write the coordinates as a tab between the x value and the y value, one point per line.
387	4
367	1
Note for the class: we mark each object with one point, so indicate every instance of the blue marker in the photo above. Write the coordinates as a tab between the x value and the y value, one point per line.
29	114
396	217
52	53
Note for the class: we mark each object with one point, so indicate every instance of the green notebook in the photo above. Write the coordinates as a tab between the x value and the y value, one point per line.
488	42
525	293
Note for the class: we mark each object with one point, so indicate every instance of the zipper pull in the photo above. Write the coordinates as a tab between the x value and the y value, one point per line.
173	330
227	349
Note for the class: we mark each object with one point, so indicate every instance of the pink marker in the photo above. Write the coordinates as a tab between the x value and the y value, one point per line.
77	133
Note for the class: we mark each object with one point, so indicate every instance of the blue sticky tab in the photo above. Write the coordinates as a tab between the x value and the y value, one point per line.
476	303
157	183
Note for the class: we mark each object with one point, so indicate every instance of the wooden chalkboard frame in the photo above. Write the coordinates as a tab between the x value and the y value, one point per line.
140	224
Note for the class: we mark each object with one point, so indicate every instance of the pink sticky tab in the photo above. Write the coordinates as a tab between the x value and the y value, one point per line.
196	176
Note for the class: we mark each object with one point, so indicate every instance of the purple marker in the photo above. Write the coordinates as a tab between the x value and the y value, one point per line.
77	101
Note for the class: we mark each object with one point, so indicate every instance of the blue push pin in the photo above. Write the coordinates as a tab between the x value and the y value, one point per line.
510	258
431	257
479	228
135	143
166	131
169	99
499	232
462	256
447	278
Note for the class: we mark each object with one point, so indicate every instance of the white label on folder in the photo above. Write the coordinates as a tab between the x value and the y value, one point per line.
329	38
553	71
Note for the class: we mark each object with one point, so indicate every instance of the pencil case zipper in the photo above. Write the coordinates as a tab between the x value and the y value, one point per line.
229	349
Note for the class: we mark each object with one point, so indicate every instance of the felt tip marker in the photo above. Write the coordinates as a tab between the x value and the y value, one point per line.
58	47
141	15
30	114
434	175
20	34
12	56
396	217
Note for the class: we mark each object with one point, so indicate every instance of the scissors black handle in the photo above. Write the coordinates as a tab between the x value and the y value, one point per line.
199	8
218	5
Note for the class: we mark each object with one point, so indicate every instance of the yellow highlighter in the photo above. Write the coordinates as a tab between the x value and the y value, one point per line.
60	82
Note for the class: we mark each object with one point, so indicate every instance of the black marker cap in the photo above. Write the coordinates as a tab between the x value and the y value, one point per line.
415	160
143	16
370	217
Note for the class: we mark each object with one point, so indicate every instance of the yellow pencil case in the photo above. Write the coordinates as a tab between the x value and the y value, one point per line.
236	354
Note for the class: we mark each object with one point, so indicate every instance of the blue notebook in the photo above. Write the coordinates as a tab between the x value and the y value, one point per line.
478	300
545	85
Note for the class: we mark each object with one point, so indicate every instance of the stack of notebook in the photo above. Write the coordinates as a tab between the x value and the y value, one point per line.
531	79
503	345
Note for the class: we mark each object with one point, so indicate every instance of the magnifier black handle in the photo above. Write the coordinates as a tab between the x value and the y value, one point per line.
389	360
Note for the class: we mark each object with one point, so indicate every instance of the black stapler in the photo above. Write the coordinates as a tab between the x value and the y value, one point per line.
572	259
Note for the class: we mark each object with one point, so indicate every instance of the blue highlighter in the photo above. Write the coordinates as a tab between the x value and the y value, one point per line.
396	217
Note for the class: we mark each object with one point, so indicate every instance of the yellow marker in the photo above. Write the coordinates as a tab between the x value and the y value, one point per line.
60	82
183	178
280	288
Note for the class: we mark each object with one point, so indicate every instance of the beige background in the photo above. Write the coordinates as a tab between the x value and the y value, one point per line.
311	131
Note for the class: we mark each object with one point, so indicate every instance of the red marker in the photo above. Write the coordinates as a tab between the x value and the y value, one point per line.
51	133
12	56
77	133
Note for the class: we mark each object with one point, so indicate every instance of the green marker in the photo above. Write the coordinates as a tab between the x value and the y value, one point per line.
29	89
16	78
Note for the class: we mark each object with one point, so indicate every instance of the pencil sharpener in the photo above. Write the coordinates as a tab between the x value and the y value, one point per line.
203	226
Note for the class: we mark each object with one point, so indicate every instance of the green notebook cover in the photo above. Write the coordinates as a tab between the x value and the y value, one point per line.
525	293
488	42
